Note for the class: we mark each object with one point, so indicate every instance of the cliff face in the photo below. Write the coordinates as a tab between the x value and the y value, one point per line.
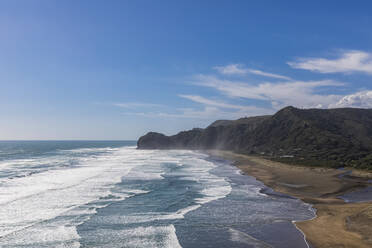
332	137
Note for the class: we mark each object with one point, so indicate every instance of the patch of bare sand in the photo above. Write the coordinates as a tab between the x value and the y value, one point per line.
339	225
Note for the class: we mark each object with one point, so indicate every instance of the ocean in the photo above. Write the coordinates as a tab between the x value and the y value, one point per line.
109	194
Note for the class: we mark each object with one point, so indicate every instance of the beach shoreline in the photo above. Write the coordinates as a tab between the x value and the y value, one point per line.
337	223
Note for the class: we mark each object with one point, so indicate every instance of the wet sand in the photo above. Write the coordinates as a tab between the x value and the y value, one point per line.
338	224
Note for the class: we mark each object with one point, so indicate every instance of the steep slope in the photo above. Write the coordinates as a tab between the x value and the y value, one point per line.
332	137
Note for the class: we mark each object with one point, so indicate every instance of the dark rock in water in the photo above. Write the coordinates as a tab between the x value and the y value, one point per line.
325	137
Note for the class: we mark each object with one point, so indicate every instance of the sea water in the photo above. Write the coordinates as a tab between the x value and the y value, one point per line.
110	194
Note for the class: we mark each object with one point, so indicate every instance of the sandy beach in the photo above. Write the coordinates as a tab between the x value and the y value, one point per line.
337	224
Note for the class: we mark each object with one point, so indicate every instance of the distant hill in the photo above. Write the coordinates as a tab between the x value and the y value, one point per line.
318	137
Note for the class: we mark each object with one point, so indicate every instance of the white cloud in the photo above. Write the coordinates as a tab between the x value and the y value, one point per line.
297	93
361	99
348	62
238	69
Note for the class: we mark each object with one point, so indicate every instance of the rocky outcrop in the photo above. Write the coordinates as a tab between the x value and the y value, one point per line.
327	137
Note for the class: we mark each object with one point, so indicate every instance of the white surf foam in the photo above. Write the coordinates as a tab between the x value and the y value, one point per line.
145	237
30	205
147	217
213	187
56	236
150	236
25	202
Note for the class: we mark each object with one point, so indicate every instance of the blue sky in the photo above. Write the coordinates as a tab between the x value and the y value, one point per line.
117	69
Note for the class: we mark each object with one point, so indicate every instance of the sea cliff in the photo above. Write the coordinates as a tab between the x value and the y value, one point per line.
318	137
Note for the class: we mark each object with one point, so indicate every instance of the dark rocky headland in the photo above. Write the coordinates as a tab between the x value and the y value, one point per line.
318	137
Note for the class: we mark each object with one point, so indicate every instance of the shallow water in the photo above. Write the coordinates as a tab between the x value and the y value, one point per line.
362	195
108	194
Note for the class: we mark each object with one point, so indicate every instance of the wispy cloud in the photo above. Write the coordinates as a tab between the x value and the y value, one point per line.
239	69
137	105
209	102
274	94
297	93
235	110
189	113
267	74
206	113
232	69
347	62
211	110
